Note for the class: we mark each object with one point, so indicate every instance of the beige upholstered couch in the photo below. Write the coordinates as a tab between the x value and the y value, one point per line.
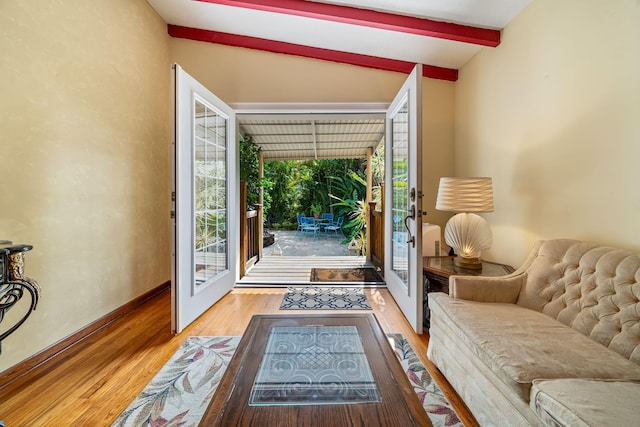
557	342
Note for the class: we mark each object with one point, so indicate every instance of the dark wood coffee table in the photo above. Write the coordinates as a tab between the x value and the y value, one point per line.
378	394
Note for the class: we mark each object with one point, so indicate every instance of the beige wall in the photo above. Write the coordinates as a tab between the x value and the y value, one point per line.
552	115
244	75
84	110
437	145
85	127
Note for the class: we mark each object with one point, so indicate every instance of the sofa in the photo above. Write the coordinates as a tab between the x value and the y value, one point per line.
556	342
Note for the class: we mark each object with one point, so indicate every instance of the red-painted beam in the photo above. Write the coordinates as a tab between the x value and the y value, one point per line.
372	18
429	71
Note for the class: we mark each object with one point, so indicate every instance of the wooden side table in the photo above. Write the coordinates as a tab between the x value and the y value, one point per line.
437	269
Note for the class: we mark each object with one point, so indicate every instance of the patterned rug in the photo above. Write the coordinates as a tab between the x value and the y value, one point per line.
346	275
181	391
318	298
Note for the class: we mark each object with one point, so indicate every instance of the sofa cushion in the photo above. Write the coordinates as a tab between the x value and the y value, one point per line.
586	402
593	289
520	345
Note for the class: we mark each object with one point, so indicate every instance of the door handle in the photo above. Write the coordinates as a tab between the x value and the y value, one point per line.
411	215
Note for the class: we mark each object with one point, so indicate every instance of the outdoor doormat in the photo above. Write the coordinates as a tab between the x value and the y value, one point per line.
316	298
346	275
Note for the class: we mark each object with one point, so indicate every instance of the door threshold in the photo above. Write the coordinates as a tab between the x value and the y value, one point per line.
307	283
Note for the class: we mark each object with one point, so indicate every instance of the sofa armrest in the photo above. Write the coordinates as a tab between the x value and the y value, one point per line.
503	289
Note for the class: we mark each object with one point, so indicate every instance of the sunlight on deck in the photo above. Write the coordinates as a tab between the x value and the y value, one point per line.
287	270
299	253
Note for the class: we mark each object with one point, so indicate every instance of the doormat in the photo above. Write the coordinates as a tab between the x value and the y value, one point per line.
181	391
346	275
315	298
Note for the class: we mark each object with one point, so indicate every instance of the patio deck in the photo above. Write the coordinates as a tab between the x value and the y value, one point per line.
300	253
297	243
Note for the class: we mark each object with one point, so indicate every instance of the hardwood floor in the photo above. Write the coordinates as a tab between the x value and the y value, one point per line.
94	382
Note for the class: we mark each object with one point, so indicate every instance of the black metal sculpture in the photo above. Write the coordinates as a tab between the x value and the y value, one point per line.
13	283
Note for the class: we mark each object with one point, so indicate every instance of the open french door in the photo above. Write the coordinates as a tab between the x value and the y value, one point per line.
403	209
205	200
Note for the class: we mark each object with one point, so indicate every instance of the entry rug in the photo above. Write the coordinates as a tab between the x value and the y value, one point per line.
346	275
181	391
319	298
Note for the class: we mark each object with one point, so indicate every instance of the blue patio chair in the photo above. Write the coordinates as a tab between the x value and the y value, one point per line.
301	222
325	219
309	226
335	227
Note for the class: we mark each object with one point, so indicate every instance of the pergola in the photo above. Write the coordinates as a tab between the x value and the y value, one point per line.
317	136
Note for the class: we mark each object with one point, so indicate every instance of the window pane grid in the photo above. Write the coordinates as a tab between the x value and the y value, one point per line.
210	171
400	193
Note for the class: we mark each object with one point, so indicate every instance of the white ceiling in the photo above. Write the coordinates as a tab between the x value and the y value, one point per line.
494	14
328	34
306	137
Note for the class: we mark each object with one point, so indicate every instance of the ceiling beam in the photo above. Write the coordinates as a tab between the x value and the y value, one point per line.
372	18
386	64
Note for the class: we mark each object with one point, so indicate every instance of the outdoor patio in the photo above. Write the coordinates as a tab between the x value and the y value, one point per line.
297	243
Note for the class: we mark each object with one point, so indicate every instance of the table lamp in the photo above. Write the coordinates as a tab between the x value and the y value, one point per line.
467	233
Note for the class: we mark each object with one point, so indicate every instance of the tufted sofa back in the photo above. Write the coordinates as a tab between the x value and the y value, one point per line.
591	288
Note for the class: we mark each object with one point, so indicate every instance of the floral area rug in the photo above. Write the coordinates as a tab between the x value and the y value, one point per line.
436	406
319	298
181	391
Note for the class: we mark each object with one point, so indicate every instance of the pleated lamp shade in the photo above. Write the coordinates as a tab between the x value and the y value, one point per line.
465	195
467	233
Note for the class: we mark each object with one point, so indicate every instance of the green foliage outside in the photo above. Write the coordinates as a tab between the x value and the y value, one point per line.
349	200
250	172
377	168
294	187
306	187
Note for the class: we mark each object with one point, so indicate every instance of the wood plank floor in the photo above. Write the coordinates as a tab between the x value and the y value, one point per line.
96	381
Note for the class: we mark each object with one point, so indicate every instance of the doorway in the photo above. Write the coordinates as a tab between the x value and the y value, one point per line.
402	134
312	137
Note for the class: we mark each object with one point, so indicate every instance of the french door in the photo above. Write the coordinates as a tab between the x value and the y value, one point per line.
205	200
403	246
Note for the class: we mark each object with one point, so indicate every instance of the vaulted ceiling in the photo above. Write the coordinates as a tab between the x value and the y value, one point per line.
386	34
383	34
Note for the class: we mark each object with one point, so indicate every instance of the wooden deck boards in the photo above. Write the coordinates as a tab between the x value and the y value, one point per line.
282	271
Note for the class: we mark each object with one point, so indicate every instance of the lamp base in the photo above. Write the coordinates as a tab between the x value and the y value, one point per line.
469	263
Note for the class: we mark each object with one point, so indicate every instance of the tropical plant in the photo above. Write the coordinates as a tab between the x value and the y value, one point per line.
250	172
377	168
211	228
349	201
316	209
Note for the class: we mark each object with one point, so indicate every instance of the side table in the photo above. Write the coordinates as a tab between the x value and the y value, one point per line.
437	269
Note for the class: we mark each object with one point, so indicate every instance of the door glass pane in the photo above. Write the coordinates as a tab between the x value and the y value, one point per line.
210	195
400	192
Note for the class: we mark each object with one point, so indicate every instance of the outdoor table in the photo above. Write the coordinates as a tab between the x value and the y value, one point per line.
322	222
